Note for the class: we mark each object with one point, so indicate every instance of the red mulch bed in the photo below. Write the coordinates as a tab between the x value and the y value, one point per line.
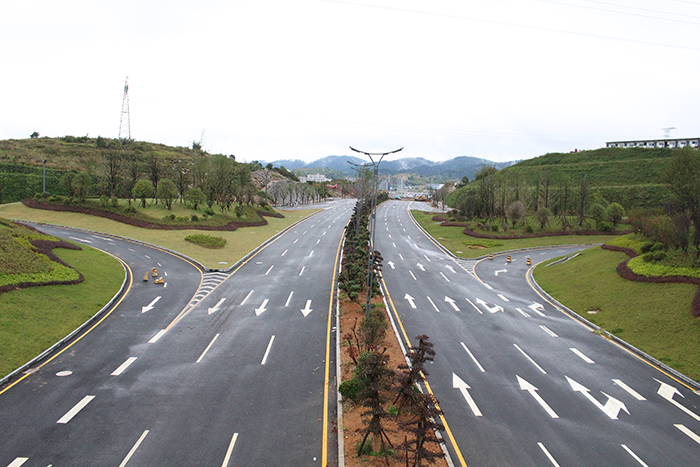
231	226
626	273
46	247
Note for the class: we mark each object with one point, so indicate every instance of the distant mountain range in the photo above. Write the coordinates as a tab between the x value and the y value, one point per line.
453	169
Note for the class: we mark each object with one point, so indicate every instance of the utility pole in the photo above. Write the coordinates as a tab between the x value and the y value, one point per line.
373	219
125	120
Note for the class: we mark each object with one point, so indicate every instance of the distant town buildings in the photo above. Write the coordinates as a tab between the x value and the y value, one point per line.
316	178
656	143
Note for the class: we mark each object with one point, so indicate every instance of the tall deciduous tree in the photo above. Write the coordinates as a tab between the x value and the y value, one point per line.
142	190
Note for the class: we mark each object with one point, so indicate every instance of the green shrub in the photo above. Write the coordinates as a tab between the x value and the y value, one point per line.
646	248
206	241
658	246
494	227
169	217
130	210
103	201
37	196
605	226
239	211
209	211
350	389
68	200
528	229
114	202
656	255
182	219
194	218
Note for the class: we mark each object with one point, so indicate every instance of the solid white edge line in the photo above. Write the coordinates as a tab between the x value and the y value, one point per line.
123	366
269	346
289	298
155	338
580	354
133	449
549	456
207	349
76	408
473	358
230	450
634	456
18	461
529	358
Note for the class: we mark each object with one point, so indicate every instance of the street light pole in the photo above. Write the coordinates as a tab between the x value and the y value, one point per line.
373	218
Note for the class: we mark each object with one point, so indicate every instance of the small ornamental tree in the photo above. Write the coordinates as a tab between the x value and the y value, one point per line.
614	213
81	184
167	191
422	423
516	212
409	377
373	376
195	197
597	212
542	216
142	190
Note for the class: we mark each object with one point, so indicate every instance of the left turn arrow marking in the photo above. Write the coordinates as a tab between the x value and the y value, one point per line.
149	307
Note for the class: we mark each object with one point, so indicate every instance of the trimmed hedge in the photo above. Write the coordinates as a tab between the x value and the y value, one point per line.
626	272
206	241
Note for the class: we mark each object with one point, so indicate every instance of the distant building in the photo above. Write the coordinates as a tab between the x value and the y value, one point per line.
656	143
317	178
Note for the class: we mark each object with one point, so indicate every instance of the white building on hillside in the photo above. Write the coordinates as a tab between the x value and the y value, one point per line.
655	143
317	178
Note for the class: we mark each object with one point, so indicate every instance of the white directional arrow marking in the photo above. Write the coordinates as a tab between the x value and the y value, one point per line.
217	306
611	408
525	386
485	305
537	308
149	307
307	309
390	263
262	309
501	270
450	268
667	392
410	300
451	302
457	383
420	266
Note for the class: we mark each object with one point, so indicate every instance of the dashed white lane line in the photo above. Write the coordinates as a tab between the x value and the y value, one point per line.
123	366
76	408
267	352
548	331
634	456
230	450
155	338
207	349
580	354
134	448
549	456
18	461
414	277
302	270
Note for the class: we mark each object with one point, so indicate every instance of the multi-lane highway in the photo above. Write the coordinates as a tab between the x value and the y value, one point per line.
208	368
236	368
521	382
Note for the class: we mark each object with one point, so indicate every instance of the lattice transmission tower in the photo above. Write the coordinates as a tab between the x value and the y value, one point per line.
125	121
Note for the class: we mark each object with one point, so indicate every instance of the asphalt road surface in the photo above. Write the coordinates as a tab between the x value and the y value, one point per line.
521	382
210	368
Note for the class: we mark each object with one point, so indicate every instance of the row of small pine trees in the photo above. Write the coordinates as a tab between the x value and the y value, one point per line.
384	393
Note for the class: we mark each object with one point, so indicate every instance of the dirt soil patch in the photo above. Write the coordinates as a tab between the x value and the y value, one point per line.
353	426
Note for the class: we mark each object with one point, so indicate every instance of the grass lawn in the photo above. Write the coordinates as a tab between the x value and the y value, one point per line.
655	318
463	245
33	319
238	243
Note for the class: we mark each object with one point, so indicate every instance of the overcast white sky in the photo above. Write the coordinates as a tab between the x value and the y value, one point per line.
304	79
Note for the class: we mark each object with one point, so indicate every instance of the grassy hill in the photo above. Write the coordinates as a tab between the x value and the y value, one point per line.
631	177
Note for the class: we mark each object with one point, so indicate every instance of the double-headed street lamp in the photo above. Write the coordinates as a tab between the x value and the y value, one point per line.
373	217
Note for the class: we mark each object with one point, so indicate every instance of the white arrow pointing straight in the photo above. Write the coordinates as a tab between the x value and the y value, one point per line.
149	307
390	263
525	386
217	306
262	309
451	302
457	383
611	408
307	309
450	268
410	300
667	392
420	266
